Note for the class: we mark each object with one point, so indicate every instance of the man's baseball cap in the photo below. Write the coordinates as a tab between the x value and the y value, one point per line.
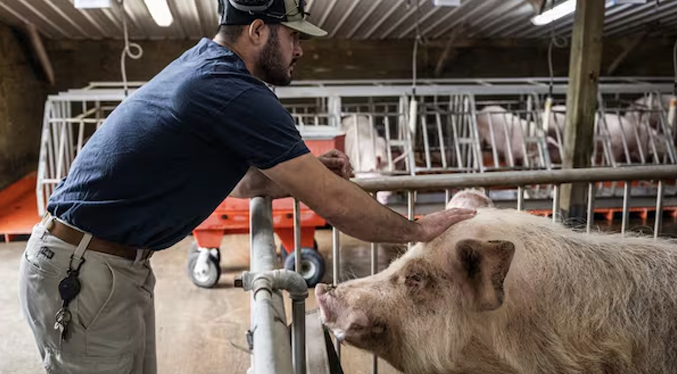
290	13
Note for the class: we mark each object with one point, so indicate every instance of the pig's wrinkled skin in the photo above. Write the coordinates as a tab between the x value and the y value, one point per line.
366	150
509	292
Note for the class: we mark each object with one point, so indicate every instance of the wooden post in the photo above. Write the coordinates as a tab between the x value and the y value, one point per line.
584	67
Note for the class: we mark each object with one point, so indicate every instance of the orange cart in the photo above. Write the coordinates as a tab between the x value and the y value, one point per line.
232	217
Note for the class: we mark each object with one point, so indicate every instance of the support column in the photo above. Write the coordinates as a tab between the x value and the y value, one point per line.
584	68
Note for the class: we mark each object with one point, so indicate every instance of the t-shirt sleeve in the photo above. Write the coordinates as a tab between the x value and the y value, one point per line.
257	127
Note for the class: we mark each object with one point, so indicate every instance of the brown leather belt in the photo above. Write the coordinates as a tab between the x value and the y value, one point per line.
73	236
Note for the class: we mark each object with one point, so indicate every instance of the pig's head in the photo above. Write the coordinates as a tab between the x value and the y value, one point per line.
421	312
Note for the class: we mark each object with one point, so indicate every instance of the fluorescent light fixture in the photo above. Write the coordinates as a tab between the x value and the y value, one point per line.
555	13
447	2
569	7
92	4
159	10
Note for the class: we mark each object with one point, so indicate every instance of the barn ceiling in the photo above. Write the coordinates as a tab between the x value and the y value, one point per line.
353	19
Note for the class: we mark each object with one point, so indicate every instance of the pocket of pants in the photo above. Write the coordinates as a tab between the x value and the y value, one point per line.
57	362
108	311
40	260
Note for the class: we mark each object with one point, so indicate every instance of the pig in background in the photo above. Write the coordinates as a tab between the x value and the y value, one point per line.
648	108
508	132
509	136
639	138
509	292
366	150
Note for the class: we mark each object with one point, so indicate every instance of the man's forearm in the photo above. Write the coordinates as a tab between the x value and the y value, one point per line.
361	216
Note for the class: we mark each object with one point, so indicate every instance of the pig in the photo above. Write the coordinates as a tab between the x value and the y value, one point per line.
508	130
366	150
649	108
509	292
509	133
613	128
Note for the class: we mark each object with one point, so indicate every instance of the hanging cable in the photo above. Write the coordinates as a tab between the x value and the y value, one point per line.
413	104
127	50
558	42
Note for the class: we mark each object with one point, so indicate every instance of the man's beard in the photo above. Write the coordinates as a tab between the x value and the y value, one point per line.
270	63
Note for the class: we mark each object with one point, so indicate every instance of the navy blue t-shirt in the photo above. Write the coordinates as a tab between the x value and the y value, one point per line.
170	153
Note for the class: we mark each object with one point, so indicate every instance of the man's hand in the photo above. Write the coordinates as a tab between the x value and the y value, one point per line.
434	224
338	163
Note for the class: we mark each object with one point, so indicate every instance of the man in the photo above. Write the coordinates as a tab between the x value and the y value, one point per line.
204	128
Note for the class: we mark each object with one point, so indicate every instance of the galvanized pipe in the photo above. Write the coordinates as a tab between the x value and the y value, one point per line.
555	203
410	210
626	209
374	270
659	210
591	207
517	178
263	286
520	198
298	346
272	353
297	236
336	261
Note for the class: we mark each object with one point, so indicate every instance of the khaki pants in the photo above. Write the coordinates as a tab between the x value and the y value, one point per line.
113	317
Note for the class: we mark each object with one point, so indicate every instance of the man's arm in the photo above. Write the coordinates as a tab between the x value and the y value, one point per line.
347	207
255	183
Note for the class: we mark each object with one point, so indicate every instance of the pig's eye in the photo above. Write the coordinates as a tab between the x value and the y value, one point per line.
415	280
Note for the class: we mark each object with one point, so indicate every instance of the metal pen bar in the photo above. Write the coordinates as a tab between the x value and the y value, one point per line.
426	144
297	236
272	353
591	207
520	198
374	270
516	178
299	336
626	209
440	134
659	210
555	203
410	211
336	261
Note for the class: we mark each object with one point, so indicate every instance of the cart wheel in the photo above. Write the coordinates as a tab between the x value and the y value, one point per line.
283	252
215	252
203	268
312	266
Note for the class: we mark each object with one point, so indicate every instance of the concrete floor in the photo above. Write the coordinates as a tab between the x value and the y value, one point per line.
195	327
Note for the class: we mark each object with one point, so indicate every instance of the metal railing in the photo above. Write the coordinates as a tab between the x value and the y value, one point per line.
441	135
270	356
268	337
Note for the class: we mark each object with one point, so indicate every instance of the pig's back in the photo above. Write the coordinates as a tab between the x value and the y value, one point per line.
587	300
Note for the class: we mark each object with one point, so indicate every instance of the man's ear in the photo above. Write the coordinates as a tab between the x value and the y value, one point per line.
257	31
480	267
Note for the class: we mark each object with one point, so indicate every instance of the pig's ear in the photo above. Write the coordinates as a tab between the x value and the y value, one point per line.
480	267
